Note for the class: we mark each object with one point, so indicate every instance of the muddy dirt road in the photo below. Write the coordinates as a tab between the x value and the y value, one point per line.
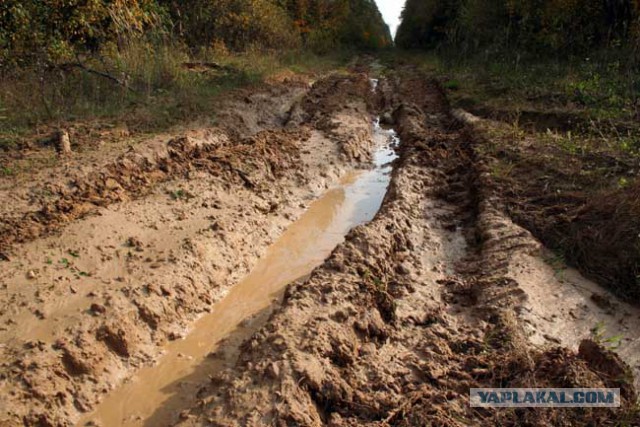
301	265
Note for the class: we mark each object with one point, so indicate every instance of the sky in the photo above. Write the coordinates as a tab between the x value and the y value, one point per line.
391	12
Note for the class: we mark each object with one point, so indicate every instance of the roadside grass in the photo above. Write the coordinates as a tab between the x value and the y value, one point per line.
147	87
562	144
585	136
605	86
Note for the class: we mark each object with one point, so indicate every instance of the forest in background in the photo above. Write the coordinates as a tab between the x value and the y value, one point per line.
132	60
56	30
535	26
581	56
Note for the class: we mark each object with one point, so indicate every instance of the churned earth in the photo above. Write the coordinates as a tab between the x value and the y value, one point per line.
114	256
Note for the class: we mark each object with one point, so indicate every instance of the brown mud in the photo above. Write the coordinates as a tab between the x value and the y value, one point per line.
414	309
440	292
129	254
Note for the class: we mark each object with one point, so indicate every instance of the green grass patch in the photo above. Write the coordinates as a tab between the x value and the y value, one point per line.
603	86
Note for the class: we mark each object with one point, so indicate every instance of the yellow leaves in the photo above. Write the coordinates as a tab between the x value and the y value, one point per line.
63	26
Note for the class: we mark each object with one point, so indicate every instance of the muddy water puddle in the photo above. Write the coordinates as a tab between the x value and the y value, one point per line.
156	395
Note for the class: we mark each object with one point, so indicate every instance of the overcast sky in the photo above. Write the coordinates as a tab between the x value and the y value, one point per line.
391	11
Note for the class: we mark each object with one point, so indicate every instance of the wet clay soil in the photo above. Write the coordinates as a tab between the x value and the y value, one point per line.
263	273
157	395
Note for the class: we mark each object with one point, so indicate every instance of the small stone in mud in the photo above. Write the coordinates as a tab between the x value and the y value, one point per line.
403	269
219	355
603	302
552	339
31	275
97	309
273	371
174	336
135	243
387	118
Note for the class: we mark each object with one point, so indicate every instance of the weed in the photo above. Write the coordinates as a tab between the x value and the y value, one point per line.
48	261
452	85
73	253
65	262
598	336
6	171
603	87
502	170
623	182
181	194
557	262
567	142
379	284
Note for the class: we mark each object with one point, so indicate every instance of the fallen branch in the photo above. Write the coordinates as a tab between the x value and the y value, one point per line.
81	66
203	66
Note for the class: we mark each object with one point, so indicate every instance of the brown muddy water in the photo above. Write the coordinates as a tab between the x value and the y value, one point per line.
156	395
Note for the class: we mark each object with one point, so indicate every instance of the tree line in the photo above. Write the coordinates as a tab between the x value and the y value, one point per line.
540	26
53	30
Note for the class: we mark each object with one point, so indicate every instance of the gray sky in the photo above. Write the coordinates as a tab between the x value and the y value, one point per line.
391	11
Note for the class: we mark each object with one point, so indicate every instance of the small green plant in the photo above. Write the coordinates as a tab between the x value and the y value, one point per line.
6	171
629	145
180	194
598	336
452	85
48	261
380	284
567	142
623	183
557	262
65	262
500	169
73	253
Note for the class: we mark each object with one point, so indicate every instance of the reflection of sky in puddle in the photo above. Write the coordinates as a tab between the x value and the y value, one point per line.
368	192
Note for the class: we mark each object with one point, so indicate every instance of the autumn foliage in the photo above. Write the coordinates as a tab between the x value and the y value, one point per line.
54	30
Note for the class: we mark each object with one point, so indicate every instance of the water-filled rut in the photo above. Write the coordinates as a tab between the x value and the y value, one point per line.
156	395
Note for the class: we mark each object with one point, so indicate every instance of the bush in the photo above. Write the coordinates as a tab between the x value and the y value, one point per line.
54	30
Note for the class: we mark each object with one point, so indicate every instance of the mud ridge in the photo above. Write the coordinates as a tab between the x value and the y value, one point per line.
413	310
113	300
